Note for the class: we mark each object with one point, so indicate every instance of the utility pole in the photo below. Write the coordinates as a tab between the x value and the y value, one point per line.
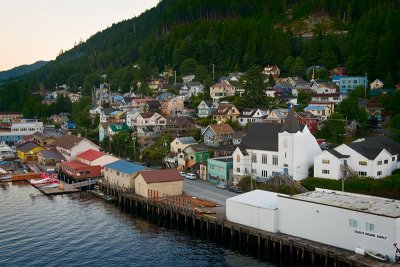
213	66
175	77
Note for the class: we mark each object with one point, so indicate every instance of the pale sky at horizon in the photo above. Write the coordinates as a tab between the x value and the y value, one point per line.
33	30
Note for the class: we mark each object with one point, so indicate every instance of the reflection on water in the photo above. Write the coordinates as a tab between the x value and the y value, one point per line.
81	230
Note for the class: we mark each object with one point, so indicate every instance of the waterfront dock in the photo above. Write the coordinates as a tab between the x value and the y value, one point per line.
247	240
63	188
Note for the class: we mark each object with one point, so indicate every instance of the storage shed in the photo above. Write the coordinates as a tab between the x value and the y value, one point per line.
258	209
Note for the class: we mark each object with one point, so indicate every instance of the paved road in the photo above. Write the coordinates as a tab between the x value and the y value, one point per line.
207	191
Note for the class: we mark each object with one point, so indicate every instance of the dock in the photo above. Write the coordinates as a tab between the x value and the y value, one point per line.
63	188
274	247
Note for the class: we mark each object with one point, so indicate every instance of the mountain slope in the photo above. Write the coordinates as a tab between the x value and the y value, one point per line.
21	70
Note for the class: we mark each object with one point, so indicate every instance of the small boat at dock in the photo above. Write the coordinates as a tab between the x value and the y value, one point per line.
43	181
376	255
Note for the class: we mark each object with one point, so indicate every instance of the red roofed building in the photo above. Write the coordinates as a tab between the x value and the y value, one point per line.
309	119
95	158
159	182
75	171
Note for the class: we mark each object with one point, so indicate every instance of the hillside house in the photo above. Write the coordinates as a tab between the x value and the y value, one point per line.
121	174
71	145
224	112
180	143
206	108
218	134
251	115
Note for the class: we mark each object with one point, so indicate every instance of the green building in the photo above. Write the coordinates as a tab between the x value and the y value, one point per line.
219	170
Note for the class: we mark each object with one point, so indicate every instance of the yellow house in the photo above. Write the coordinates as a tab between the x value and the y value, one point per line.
180	143
28	151
155	183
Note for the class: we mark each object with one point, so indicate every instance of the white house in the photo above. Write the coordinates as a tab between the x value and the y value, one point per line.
269	149
251	115
277	115
71	145
374	157
341	219
142	119
95	158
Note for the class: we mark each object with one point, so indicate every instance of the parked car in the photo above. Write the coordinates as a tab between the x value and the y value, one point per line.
235	189
222	186
190	176
183	174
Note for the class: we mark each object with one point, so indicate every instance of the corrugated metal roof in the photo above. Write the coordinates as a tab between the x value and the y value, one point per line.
26	147
125	166
161	176
91	155
258	198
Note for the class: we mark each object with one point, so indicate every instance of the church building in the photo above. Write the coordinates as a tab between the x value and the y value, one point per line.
270	149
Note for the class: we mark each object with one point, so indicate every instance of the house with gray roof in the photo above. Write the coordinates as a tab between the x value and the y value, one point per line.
270	149
180	143
375	157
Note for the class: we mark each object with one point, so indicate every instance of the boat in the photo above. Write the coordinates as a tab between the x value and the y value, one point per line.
376	255
4	175
6	152
47	180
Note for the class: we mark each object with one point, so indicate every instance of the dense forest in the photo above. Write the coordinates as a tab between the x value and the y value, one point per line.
232	35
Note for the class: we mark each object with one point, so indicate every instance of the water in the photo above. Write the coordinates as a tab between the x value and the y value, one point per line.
81	230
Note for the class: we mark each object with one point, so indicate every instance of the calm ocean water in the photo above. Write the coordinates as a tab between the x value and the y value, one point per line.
81	230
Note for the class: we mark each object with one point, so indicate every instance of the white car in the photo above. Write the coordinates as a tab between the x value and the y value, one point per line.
190	176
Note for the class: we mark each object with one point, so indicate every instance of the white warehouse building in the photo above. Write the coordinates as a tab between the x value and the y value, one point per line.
335	218
256	209
342	219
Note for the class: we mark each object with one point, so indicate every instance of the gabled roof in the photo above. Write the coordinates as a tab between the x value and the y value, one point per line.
125	166
312	107
26	147
68	141
291	125
52	154
187	140
161	176
41	136
91	155
337	154
200	148
371	147
221	129
261	136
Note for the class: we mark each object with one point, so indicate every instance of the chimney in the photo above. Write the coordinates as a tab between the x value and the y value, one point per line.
79	135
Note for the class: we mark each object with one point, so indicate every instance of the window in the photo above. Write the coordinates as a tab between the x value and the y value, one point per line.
379	162
254	158
117	173
325	161
386	161
237	158
285	143
360	173
325	171
264	173
275	160
393	158
264	159
253	171
369	227
237	169
353	223
379	173
362	163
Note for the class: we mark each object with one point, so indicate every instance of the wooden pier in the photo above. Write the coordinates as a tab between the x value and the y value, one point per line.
274	247
63	188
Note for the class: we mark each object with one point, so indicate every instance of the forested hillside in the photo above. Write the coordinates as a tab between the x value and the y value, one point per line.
362	35
21	70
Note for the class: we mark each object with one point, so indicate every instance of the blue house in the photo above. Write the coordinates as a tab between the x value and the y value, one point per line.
348	84
69	125
283	89
206	108
220	170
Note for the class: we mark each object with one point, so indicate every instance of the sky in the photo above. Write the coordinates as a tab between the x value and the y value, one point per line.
32	30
